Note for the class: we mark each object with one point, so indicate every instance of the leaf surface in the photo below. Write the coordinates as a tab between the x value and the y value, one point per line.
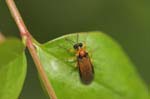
115	76
12	68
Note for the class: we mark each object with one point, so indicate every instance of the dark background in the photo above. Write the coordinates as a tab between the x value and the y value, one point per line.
127	21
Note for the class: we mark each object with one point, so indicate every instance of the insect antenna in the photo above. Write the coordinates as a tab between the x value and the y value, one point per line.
77	38
70	41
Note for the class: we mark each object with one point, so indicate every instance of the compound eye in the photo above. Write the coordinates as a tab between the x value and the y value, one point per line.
75	46
80	44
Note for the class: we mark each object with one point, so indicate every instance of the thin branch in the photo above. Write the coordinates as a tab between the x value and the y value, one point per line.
25	34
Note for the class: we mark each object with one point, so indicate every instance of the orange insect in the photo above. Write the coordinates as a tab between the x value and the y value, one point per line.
84	63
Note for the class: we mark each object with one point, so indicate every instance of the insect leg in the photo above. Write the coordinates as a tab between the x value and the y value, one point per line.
71	60
84	44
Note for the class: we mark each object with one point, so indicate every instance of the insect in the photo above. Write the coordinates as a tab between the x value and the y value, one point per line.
84	64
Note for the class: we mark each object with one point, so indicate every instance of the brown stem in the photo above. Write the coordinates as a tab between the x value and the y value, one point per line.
25	34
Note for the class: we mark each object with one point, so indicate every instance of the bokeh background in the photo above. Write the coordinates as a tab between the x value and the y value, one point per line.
127	21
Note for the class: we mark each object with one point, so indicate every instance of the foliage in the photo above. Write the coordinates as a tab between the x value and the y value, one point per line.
12	68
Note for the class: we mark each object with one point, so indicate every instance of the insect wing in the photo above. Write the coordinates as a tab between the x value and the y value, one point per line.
86	70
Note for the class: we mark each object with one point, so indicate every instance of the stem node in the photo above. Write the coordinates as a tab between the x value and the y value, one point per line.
27	40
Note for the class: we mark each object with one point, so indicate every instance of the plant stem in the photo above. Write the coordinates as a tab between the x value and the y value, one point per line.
25	34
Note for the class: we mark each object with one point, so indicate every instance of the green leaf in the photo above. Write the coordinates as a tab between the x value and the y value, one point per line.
12	68
115	76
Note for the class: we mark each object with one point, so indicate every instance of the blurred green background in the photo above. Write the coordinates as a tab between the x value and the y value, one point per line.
127	21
